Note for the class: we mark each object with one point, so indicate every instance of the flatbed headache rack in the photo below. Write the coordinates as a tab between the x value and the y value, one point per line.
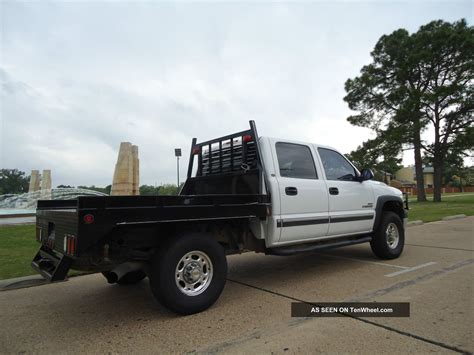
217	160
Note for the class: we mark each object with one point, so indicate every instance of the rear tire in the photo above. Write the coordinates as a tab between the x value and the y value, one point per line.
189	272
130	278
389	238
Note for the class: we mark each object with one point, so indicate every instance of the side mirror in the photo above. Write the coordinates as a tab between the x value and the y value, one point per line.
366	174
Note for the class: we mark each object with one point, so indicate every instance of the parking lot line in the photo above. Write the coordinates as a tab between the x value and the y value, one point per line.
365	261
410	269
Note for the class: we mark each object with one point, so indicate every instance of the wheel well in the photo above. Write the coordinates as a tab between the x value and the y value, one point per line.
234	236
394	206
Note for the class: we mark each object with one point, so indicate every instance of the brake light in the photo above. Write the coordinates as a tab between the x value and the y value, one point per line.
88	219
247	138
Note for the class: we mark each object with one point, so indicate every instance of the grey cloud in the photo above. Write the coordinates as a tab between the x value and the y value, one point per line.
78	78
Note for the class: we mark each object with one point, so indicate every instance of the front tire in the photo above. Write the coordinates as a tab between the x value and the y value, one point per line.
389	238
189	273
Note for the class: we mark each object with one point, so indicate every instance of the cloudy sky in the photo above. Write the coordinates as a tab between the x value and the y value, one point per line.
77	78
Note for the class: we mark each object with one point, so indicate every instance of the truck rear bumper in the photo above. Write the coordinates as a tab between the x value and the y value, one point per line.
51	266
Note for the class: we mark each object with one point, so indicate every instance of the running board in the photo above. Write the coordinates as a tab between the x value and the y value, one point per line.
327	244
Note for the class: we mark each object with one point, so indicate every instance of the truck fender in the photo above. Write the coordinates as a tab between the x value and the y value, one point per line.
379	208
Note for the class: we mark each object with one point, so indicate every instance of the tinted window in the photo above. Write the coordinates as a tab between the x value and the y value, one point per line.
336	166
295	161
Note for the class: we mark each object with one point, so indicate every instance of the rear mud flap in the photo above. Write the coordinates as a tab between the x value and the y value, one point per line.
50	266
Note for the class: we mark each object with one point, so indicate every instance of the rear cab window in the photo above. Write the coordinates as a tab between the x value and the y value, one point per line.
295	161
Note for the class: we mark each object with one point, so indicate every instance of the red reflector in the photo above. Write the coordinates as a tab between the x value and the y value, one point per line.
247	138
196	150
88	219
69	244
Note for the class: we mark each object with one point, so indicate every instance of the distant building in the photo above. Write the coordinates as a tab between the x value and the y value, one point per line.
407	176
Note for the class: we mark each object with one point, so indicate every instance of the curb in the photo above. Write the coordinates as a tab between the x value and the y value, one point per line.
17	224
17	215
414	223
447	218
457	216
30	281
22	282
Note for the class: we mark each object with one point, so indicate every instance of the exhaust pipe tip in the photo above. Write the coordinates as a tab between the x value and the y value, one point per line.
111	277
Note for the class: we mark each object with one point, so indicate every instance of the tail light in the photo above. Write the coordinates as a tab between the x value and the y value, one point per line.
70	244
247	138
88	218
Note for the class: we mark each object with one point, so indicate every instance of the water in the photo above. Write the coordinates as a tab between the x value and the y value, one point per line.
26	203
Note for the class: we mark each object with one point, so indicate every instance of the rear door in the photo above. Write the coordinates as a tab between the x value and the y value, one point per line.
303	194
351	203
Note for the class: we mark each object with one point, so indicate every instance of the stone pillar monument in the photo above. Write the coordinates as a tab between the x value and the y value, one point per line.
136	170
46	185
46	180
34	181
126	175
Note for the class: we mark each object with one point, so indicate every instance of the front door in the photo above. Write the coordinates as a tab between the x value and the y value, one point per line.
351	203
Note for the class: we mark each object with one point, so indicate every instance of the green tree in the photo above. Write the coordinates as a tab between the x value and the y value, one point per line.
467	176
453	162
418	81
13	181
169	189
148	190
380	154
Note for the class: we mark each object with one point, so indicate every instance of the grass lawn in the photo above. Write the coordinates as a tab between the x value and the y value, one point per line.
450	206
18	246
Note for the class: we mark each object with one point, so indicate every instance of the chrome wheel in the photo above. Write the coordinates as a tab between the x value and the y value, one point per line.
392	235
194	273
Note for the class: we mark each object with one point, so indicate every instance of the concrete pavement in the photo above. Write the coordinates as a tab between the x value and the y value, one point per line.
435	274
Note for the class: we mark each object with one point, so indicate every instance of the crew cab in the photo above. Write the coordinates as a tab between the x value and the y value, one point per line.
243	193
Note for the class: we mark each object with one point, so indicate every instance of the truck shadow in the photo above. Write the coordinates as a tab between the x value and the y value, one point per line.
255	267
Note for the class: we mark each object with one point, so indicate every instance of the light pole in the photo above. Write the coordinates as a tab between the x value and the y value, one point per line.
177	153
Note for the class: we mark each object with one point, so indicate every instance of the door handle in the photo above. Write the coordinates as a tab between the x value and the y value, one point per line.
292	191
334	191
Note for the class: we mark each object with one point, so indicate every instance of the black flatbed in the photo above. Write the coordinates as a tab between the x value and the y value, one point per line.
223	191
160	209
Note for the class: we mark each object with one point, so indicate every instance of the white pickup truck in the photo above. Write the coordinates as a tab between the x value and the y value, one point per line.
243	193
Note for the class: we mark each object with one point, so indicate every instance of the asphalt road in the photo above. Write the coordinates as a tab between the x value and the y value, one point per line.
435	274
